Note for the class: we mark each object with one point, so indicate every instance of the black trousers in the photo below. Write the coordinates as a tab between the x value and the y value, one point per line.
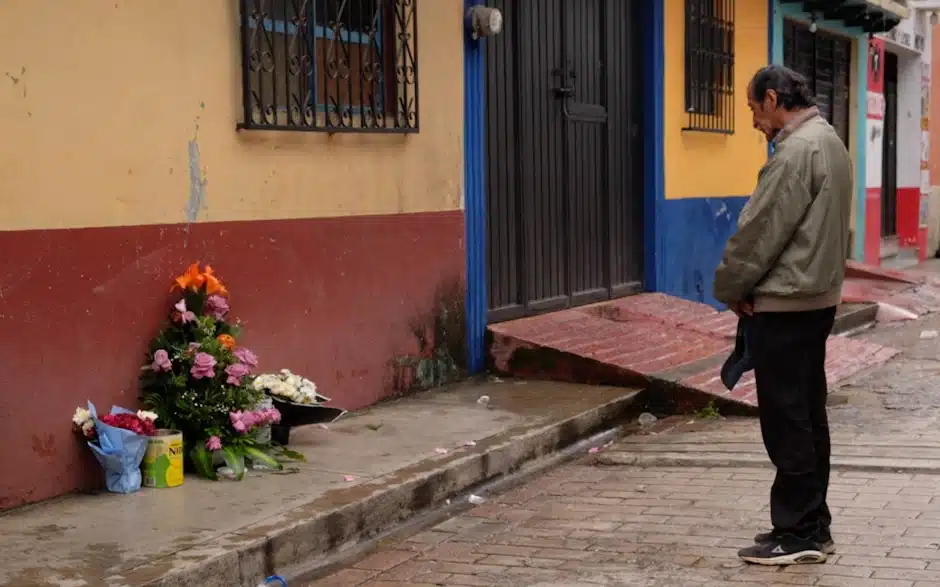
789	352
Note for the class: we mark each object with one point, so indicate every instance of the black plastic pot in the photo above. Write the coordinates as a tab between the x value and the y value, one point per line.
293	414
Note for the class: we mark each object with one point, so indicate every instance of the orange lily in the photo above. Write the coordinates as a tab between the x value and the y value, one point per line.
213	283
227	340
190	279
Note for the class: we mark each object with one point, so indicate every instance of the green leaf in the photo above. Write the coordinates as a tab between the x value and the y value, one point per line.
202	460
259	456
292	454
235	460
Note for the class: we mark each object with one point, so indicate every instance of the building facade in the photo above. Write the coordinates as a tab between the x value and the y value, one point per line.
711	156
899	74
931	14
137	142
589	151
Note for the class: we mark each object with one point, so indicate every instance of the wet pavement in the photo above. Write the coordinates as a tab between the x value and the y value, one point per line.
117	540
610	519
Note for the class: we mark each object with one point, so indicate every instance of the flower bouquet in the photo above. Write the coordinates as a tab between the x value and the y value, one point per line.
198	380
297	400
119	441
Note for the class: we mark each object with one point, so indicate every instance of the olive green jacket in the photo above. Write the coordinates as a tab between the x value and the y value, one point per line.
789	251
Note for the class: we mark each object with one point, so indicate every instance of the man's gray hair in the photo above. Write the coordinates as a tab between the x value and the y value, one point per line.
792	89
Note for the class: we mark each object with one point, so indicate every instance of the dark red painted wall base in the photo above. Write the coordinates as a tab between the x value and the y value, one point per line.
872	244
908	215
327	298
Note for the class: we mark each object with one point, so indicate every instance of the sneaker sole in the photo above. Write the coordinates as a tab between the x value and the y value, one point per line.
805	557
827	548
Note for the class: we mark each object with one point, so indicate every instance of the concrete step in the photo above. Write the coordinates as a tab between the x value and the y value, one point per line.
852	317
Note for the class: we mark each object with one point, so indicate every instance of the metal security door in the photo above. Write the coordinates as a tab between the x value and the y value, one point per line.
564	192
583	106
825	60
889	156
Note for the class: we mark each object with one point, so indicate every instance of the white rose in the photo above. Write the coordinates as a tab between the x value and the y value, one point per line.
87	427
307	395
281	389
81	416
145	415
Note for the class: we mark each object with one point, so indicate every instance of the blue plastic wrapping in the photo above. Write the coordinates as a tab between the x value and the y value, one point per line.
119	452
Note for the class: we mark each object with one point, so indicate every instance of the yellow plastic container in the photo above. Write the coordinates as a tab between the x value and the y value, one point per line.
163	462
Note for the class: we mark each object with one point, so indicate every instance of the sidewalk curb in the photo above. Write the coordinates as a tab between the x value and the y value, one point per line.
456	506
336	519
751	460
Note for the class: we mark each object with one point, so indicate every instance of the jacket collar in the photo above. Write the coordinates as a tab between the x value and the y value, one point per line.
795	123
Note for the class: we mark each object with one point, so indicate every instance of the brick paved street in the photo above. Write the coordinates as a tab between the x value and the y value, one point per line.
582	525
594	522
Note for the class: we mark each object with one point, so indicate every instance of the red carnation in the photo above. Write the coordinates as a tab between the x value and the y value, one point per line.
130	422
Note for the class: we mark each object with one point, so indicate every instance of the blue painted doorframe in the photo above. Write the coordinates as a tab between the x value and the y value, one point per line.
654	172
475	197
475	161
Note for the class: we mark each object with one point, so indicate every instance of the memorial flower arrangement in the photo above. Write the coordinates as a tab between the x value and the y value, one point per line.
198	379
288	386
297	400
118	440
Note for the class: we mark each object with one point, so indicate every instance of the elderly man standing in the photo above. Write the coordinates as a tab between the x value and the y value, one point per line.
782	273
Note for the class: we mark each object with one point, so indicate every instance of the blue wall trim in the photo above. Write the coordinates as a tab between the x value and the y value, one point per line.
698	230
771	26
475	200
653	167
861	139
771	31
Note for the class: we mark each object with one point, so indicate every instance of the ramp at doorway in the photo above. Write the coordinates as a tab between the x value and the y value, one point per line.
673	347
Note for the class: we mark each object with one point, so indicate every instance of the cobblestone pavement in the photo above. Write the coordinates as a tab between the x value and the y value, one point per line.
594	522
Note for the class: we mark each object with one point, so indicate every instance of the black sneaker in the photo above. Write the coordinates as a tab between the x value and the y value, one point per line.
778	553
827	544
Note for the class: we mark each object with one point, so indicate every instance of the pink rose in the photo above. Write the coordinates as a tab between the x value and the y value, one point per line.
185	315
216	306
250	419
272	415
214	443
203	366
161	361
246	357
238	421
235	373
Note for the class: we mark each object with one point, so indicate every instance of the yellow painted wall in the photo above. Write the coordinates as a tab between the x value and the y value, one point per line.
99	100
703	164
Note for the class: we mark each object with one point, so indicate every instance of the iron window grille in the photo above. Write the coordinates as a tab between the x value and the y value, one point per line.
709	65
330	65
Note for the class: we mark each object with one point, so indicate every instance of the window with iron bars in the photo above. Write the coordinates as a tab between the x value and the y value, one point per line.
709	65
330	65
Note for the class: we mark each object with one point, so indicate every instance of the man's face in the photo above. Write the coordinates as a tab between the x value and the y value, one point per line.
765	113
